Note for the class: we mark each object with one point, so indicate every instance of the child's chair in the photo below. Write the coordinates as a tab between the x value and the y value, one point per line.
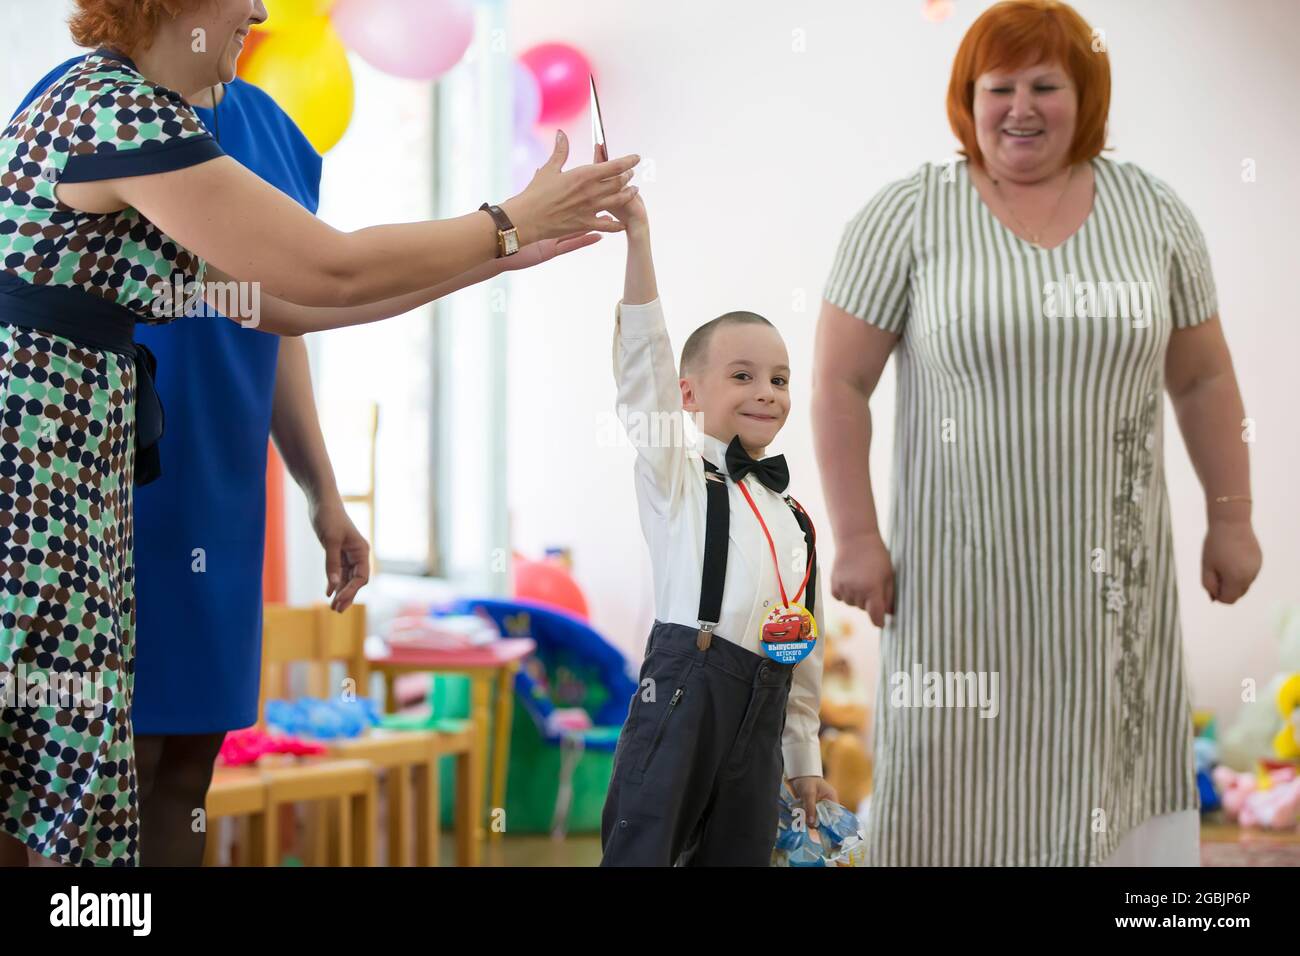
236	793
408	759
346	788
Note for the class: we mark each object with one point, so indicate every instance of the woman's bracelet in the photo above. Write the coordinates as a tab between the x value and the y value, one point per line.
1224	499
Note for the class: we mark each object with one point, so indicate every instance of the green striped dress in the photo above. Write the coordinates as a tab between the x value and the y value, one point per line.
1029	526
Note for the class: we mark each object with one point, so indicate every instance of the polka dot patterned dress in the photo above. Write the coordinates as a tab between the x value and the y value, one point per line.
72	445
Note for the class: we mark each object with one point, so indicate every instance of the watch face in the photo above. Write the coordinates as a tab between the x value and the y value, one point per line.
511	240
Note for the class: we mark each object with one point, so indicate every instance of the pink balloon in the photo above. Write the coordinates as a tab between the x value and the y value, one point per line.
416	39
562	74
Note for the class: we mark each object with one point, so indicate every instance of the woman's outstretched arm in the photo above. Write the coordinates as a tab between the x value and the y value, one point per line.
249	230
277	316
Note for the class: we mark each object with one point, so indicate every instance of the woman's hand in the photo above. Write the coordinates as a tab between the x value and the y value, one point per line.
863	576
810	790
558	203
347	553
543	250
1230	559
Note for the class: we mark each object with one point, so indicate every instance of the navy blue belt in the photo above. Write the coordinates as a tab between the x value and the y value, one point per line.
94	323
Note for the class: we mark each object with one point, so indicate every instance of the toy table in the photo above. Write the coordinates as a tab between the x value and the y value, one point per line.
485	665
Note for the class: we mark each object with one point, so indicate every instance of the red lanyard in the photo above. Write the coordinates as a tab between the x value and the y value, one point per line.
776	565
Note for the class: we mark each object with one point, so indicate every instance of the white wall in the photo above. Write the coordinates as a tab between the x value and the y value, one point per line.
759	155
33	41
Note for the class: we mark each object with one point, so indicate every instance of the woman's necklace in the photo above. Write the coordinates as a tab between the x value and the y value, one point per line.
1035	238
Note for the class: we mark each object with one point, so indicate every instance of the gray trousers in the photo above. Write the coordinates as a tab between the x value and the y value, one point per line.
697	769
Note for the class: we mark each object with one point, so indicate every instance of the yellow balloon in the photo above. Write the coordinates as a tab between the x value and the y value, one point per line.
286	14
306	71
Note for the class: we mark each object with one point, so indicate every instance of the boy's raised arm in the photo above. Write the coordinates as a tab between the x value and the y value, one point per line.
649	393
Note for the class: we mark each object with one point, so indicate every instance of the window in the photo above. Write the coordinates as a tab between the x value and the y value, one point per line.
419	151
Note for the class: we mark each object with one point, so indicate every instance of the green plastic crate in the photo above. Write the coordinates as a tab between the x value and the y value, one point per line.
534	769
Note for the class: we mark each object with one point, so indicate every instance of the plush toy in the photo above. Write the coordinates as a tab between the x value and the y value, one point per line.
1233	786
1207	757
1269	799
1287	742
1253	734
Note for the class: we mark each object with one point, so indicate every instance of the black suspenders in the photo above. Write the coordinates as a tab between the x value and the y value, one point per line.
717	528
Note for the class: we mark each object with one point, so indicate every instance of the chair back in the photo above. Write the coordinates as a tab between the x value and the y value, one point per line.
312	638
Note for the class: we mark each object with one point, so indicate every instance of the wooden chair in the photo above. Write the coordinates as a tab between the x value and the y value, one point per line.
407	759
346	787
265	794
236	792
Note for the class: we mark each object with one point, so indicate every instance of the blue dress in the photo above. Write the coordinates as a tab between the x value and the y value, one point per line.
199	612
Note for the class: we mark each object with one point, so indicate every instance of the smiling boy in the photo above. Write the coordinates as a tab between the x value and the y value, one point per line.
730	687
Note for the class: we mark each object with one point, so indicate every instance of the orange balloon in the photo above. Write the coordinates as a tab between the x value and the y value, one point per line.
547	582
251	43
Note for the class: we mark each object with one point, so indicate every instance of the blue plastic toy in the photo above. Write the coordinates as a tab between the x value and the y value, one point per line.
323	719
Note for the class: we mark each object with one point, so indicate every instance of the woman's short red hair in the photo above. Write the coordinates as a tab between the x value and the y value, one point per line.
127	26
1020	33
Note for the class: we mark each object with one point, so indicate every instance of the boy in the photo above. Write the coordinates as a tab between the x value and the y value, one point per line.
725	705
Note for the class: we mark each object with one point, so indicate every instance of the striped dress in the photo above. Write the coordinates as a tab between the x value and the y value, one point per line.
1033	705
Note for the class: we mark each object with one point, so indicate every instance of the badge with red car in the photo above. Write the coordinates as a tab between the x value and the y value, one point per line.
789	633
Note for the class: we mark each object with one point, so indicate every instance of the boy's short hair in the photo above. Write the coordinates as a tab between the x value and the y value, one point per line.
696	349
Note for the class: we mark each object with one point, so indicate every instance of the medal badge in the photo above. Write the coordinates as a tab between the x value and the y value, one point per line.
789	633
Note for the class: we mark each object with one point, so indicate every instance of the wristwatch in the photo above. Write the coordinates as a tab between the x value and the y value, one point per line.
507	234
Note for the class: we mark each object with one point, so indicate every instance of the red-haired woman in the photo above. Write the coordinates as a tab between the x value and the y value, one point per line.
1039	299
112	196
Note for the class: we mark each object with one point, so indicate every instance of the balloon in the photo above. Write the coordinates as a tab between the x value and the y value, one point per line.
417	39
251	43
936	11
306	71
528	99
562	74
528	154
547	582
289	14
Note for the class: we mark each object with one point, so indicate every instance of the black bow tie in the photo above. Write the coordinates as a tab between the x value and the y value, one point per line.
772	472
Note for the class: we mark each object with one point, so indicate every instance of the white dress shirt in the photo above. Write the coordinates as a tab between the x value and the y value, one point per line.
671	500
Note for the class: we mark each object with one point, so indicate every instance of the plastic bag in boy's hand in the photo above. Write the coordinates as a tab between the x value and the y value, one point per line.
836	841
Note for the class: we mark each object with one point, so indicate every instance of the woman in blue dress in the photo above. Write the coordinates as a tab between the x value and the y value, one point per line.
146	196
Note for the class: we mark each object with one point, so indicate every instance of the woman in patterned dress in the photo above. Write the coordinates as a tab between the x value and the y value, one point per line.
112	195
1038	299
